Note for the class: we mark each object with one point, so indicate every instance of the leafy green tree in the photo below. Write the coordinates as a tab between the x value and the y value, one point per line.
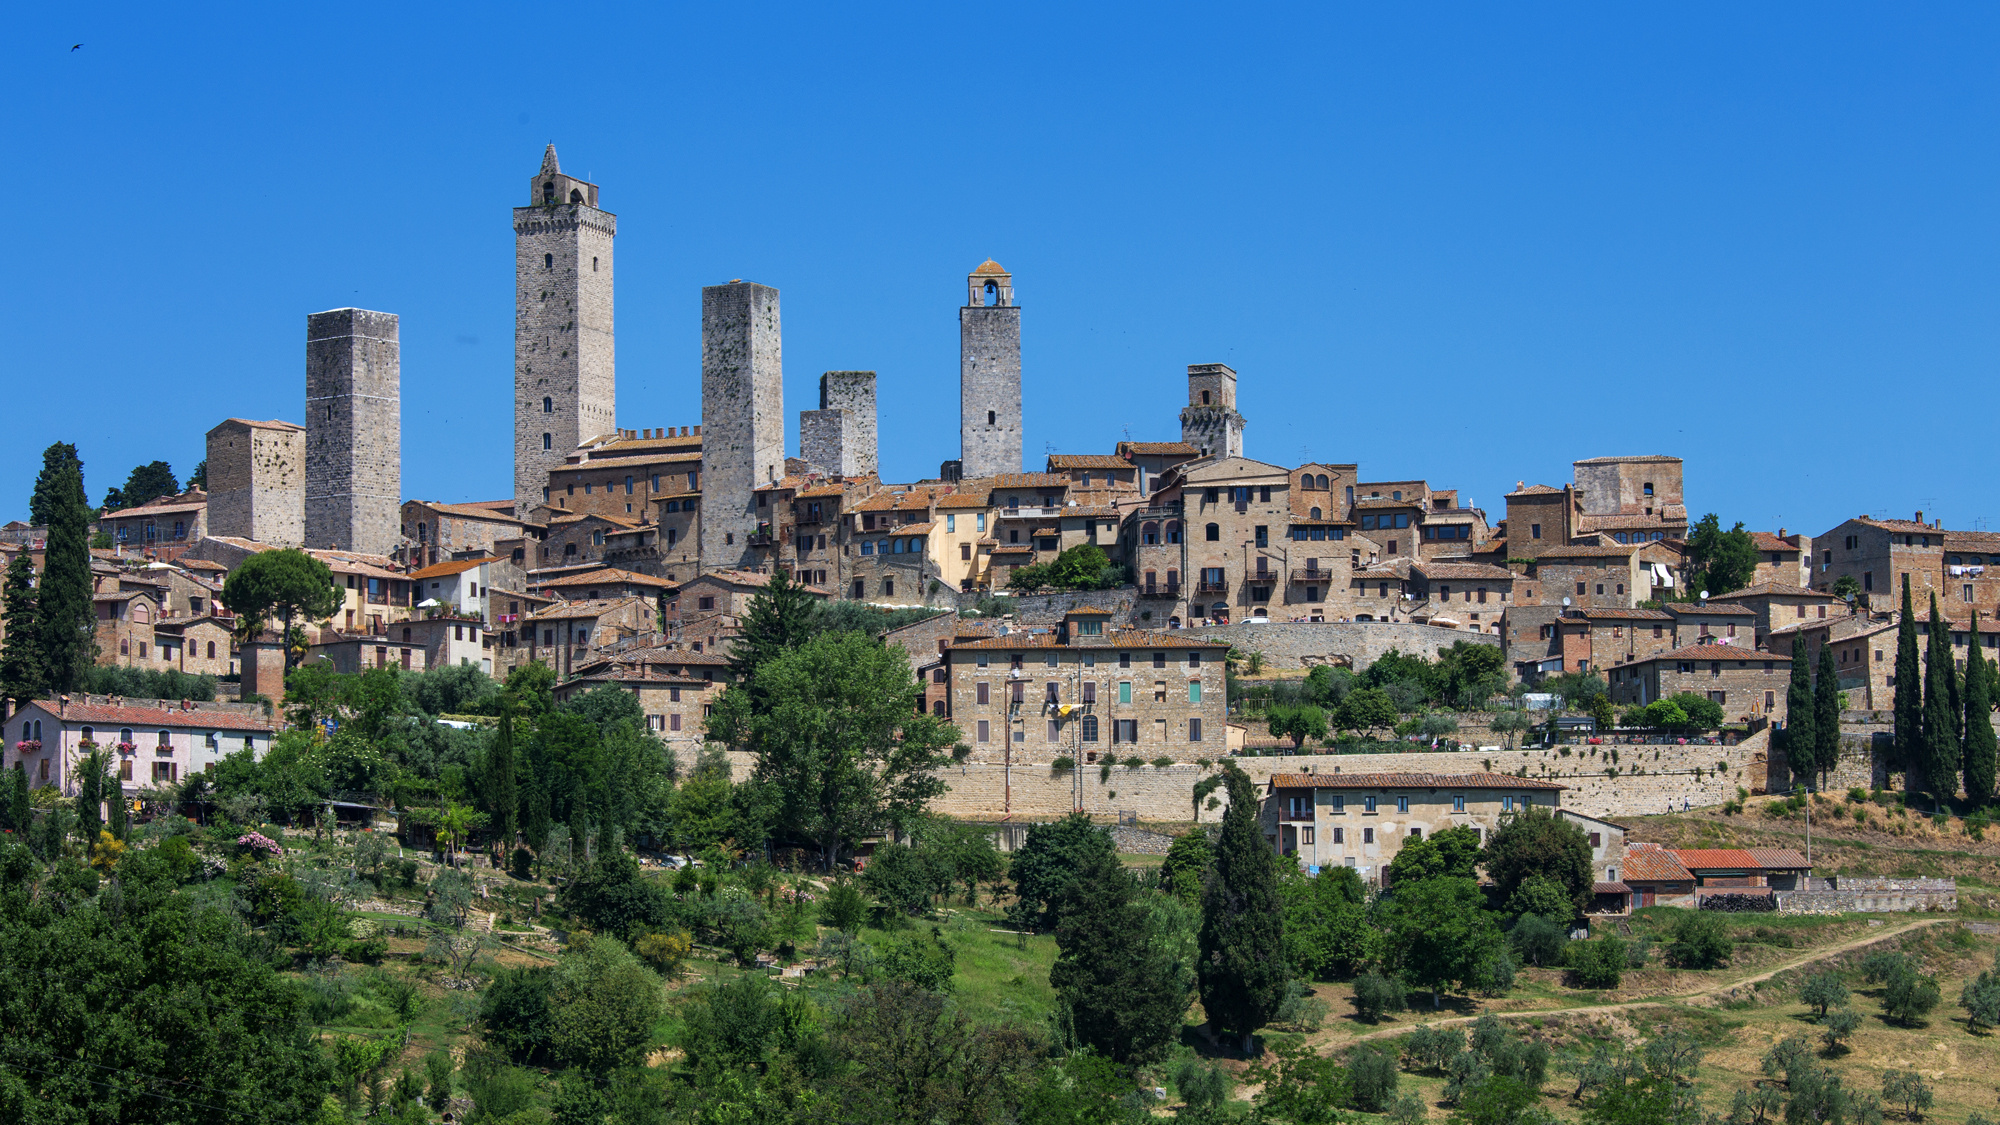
20	657
1579	690
1121	1002
1375	995
1908	1089
1298	723
1468	674
1826	715
1908	997
1452	853
199	478
1702	712
901	1053
701	811
1824	990
514	1011
1801	741
1667	715
1372	1077
841	751
1979	751
1940	729
1186	866
287	584
920	958
1078	568
1365	709
1242	930
1539	894
1046	864
1535	841
1299	1086
1698	940
1720	561
1840	1025
1909	698
603	1004
1327	929
1599	962
1539	941
504	792
781	618
65	618
1440	937
1509	724
147	483
1981	1001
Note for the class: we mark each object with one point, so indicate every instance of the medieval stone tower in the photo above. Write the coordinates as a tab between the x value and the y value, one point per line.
354	431
565	386
1210	419
839	437
742	417
989	374
257	481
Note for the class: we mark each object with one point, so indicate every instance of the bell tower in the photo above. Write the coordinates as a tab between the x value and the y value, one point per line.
565	383
989	374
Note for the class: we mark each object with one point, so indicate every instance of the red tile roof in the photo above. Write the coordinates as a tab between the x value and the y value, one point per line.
1087	461
607	576
1716	652
1711	859
1651	863
1772	589
1778	859
151	714
1114	638
449	567
1710	609
1159	448
1409	781
1615	550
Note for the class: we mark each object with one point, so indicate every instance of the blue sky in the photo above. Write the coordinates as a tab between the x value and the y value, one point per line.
1468	243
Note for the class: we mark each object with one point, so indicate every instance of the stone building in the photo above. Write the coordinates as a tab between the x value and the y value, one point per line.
622	473
1748	685
565	358
354	432
989	362
1776	604
676	706
435	532
459	586
1784	558
838	439
1209	421
1878	554
1150	460
1633	499
1460	594
1085	690
1361	820
742	415
161	529
257	481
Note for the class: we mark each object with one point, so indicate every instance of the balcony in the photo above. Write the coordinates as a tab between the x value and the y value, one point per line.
1318	577
1159	511
1211	587
1029	513
759	539
1153	590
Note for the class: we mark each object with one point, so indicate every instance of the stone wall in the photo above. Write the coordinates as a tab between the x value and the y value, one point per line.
989	358
823	441
354	432
1352	644
1871	894
853	392
565	347
257	482
742	415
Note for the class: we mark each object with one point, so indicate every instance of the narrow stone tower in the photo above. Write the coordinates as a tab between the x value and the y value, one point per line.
565	382
839	437
354	431
257	481
1210	419
989	374
742	417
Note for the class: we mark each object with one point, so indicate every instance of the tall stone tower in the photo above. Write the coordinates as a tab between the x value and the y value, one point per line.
742	416
1210	419
565	383
839	437
354	431
989	374
257	481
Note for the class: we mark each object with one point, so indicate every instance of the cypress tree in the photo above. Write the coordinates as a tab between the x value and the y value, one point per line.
63	610
1979	751
1243	967
506	794
23	807
57	459
1909	697
20	656
1954	682
781	617
114	800
1801	743
90	770
1940	733
1116	978
1826	714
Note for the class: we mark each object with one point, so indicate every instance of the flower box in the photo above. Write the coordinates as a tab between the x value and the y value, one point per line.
128	748
28	746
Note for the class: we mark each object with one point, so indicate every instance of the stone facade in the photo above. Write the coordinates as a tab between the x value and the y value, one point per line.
354	432
565	361
1747	684
839	438
989	372
257	481
1347	644
1210	420
742	415
1362	818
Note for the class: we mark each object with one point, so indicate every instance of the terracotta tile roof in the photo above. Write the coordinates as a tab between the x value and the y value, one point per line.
991	267
1778	859
1013	548
962	500
1610	889
1088	611
151	714
570	611
1616	614
469	511
1690	609
1768	541
1907	527
1614	550
831	488
1113	639
1409	781
793	481
1715	652
450	567
1442	569
165	505
577	517
754	578
1086	461
631	461
1846	627
1160	448
1535	490
272	424
1772	589
664	655
1026	480
1972	540
898	500
1651	863
607	576
644	679
1712	859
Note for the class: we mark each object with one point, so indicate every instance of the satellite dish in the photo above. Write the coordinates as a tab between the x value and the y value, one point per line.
1565	599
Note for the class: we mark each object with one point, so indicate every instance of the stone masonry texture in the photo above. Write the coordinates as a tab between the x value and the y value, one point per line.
824	441
354	431
1210	419
257	481
565	361
989	362
853	392
742	415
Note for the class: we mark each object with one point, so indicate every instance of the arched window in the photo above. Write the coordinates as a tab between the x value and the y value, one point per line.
992	293
1213	533
575	195
211	650
1315	513
548	405
548	441
896	546
1219	609
1323	482
548	191
548	261
1149	534
1173	531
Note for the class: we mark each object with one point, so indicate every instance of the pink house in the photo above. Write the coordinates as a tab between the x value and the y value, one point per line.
154	740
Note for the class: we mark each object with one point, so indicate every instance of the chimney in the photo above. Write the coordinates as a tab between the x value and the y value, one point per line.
1781	533
1920	515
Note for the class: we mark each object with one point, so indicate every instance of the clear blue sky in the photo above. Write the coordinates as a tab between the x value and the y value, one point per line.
1468	243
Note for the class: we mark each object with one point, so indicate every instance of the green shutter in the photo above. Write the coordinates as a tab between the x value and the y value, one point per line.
1194	691
1125	691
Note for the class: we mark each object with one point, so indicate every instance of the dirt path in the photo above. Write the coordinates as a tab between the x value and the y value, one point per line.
1884	934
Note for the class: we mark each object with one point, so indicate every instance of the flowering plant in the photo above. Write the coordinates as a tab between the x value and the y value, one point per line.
28	746
257	841
128	747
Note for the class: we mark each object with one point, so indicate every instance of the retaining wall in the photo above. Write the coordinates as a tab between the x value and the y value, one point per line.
1348	644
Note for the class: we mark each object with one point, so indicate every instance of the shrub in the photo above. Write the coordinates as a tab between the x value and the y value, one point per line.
1063	764
1162	762
1371	1078
665	952
1909	997
1598	963
1432	1048
1698	941
1375	994
1539	941
1822	991
1907	1089
843	909
1836	1026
